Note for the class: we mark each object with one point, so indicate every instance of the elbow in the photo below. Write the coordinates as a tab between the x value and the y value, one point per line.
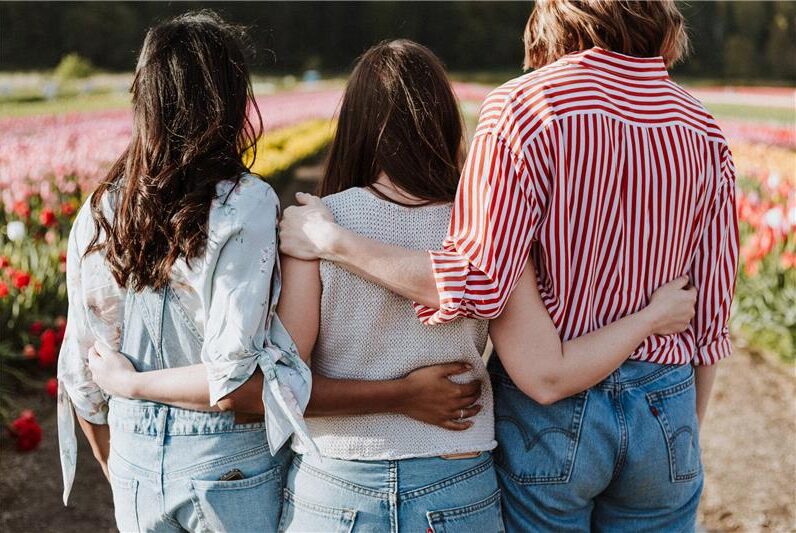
545	390
549	397
544	396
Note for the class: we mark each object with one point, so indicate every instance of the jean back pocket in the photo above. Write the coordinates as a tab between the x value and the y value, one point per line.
537	443
125	503
483	517
241	505
675	409
304	516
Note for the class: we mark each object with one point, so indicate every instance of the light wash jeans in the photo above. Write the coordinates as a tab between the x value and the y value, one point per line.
166	464
622	456
421	495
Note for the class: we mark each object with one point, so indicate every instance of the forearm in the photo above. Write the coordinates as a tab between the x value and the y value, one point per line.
550	373
589	359
401	270
99	438
334	397
705	376
184	387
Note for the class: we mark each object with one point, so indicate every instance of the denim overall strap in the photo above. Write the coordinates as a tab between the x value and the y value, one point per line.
142	330
151	304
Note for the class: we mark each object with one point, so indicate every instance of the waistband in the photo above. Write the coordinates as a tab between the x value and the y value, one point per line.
636	374
408	477
153	419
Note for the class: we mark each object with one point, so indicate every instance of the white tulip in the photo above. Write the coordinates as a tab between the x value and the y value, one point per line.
15	230
774	218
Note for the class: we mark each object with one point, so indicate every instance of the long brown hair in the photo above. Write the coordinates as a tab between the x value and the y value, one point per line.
399	116
641	28
192	100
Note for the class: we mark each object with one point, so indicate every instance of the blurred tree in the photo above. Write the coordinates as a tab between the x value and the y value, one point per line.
781	45
730	39
73	66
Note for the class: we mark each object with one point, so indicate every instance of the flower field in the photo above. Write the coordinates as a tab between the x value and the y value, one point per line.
48	164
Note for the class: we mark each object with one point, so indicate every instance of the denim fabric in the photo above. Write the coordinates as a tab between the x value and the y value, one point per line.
227	298
408	495
621	456
166	464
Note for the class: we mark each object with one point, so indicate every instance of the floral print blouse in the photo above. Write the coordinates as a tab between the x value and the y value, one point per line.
230	293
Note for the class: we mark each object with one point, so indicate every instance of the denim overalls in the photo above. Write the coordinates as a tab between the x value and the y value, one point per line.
166	463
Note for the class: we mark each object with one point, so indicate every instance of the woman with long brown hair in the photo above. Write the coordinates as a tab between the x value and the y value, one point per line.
173	262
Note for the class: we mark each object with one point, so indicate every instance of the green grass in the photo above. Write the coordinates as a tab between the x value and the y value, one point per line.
115	100
782	115
95	102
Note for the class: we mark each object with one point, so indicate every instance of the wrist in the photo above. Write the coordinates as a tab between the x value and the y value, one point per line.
400	391
648	321
132	385
333	248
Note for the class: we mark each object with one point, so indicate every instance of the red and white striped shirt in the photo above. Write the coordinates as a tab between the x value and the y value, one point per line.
615	181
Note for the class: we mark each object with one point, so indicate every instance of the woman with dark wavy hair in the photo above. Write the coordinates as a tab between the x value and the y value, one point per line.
173	262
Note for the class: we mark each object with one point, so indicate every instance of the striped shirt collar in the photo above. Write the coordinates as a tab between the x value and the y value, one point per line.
636	68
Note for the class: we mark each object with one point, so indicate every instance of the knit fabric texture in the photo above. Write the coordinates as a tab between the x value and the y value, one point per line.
370	333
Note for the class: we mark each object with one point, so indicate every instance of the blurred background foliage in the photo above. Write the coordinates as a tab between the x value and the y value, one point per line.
741	41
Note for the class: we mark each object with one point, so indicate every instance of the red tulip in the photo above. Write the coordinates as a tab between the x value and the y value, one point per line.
48	352
26	430
36	328
3	289
22	209
47	217
67	209
52	387
21	279
4	262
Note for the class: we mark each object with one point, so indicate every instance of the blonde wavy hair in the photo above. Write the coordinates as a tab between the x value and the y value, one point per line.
641	28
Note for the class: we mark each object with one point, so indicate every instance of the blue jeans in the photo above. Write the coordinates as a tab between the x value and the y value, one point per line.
166	464
409	495
621	456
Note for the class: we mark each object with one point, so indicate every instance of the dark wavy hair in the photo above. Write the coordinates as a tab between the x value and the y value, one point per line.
192	102
399	116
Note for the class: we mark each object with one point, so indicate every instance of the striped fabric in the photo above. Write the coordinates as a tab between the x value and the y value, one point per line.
615	181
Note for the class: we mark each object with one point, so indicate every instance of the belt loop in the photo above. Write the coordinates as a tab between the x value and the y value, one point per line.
162	423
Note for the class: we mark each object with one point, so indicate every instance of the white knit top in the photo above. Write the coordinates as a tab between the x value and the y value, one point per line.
370	333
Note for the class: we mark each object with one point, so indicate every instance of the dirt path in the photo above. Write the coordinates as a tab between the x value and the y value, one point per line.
749	443
749	448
